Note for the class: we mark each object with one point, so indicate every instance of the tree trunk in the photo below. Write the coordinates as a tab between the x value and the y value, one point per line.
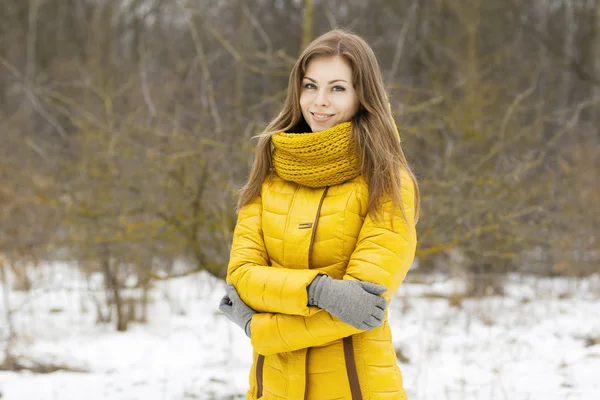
596	62
144	317
8	314
112	284
307	24
101	317
568	45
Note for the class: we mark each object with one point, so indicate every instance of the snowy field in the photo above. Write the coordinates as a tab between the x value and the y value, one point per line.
531	344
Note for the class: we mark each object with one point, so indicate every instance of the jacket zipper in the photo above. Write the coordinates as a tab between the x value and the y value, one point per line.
261	359
351	368
310	250
348	345
260	362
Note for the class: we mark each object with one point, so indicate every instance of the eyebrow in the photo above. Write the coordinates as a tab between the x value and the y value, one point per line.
329	83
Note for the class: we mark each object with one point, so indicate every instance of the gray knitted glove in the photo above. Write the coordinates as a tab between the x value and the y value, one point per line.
357	303
236	310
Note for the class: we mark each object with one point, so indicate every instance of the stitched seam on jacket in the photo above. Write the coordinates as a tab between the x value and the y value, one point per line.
272	237
308	330
264	289
410	230
380	245
345	226
287	223
280	297
279	331
389	273
315	224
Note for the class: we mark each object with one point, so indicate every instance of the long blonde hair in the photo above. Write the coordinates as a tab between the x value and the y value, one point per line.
373	127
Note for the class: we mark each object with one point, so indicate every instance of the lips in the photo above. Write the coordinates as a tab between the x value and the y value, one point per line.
321	117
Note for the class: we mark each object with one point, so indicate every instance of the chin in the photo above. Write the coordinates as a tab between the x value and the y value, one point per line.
319	128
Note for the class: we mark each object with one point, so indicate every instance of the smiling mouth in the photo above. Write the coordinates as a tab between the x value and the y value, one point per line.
321	117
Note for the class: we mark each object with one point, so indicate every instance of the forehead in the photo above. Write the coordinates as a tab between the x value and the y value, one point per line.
327	68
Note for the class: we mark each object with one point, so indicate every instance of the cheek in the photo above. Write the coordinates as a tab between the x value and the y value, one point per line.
304	101
352	106
356	103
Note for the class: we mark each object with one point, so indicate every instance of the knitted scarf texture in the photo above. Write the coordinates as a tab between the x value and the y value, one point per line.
316	159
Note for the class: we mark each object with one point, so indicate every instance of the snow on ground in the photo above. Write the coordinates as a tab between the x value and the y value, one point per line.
529	344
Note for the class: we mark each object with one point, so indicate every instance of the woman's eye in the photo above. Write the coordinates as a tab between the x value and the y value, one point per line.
309	86
339	88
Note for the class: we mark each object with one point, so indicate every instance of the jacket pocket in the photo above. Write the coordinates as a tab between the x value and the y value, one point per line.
351	368
260	363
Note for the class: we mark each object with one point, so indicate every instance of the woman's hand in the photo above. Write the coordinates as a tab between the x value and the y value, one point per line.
357	303
236	310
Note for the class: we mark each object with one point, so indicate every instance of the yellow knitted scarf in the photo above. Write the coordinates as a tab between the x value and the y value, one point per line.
316	159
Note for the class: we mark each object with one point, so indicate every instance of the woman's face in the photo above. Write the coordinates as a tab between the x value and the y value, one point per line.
327	96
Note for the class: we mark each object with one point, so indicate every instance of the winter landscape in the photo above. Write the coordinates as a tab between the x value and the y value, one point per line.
539	341
128	127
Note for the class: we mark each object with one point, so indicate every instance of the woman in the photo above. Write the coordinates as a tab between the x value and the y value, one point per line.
325	233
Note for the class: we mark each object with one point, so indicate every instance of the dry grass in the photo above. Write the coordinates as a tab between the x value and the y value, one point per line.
21	363
455	299
590	341
401	357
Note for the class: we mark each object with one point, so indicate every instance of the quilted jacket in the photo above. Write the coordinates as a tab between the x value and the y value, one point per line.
288	235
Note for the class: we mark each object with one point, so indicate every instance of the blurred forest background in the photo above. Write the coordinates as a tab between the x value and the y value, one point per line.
126	129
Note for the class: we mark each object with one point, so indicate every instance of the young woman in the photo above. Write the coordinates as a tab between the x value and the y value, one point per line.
325	233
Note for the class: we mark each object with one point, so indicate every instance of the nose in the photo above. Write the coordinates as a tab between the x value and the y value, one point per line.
322	98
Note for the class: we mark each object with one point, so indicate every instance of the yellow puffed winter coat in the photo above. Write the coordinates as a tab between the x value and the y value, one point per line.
288	235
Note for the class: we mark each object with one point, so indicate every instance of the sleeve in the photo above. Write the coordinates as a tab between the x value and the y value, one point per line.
386	247
384	252
278	333
263	288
